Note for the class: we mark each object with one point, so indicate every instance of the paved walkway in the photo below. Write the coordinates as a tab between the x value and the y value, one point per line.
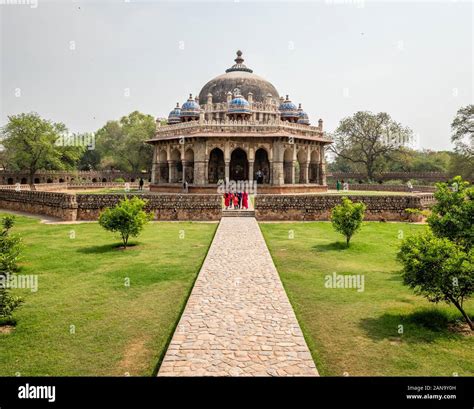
238	320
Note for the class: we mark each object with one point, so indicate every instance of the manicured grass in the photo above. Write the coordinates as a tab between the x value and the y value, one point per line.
82	283
357	333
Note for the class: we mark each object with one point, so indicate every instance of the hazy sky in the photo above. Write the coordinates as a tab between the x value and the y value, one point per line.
85	62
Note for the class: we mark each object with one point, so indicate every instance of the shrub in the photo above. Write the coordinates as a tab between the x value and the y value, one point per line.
347	218
127	217
10	249
119	180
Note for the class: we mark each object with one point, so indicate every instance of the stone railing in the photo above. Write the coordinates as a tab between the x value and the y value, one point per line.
427	176
239	126
318	207
385	188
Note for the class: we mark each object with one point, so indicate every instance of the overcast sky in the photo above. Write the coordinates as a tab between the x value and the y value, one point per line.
86	62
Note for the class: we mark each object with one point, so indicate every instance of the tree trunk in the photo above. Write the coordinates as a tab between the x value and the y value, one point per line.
348	239
464	314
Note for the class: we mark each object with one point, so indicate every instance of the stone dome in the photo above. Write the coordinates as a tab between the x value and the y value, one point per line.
239	105
302	116
288	109
241	77
175	115
190	108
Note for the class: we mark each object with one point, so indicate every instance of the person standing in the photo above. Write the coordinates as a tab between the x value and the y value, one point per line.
226	200
236	201
338	185
140	184
245	200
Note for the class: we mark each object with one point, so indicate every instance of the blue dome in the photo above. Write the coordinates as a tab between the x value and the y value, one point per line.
302	116
239	105
288	109
175	115
190	108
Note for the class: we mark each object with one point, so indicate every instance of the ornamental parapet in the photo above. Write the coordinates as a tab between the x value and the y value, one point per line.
239	126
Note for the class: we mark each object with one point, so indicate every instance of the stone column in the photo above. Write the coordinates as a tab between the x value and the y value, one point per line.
227	170
278	173
305	172
251	176
183	164
293	163
170	171
322	166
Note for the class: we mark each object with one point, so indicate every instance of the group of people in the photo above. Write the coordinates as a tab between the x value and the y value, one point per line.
238	200
344	185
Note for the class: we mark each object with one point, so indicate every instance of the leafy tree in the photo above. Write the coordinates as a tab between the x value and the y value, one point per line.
31	144
463	138
127	217
10	249
121	144
347	218
365	138
438	269
452	216
439	264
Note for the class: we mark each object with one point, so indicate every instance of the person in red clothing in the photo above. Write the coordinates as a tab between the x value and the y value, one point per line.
236	201
226	200
245	200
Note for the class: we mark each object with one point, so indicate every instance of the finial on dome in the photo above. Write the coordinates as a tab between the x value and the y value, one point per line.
239	65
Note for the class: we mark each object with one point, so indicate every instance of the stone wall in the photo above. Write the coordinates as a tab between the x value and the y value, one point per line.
164	207
318	207
60	205
385	188
426	176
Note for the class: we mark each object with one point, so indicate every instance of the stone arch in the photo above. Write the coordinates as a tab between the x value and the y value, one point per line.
189	165
261	164
36	181
314	166
163	176
10	181
176	168
288	165
239	165
23	181
216	166
300	166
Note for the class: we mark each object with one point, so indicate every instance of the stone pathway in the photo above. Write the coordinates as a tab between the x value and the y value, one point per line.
238	320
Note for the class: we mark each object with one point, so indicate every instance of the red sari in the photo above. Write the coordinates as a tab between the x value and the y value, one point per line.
236	201
227	199
245	200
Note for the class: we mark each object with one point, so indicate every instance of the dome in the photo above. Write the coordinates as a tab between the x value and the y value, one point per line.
241	77
239	105
175	115
288	109
302	116
190	108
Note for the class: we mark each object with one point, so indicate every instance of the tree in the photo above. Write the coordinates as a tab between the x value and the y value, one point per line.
439	264
347	218
10	249
31	144
452	216
122	143
438	269
366	138
463	138
127	217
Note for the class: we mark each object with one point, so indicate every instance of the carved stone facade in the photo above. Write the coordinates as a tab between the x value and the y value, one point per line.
269	141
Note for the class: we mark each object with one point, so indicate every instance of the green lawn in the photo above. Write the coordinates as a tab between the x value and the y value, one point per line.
356	333
118	329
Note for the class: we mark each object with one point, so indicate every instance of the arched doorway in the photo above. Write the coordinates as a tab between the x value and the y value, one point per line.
239	165
176	166
314	167
163	175
189	166
288	166
300	167
216	167
261	166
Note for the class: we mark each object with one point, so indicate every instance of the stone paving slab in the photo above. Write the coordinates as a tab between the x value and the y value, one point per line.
238	320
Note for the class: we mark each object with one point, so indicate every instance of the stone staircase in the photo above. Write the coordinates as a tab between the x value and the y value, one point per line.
238	213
